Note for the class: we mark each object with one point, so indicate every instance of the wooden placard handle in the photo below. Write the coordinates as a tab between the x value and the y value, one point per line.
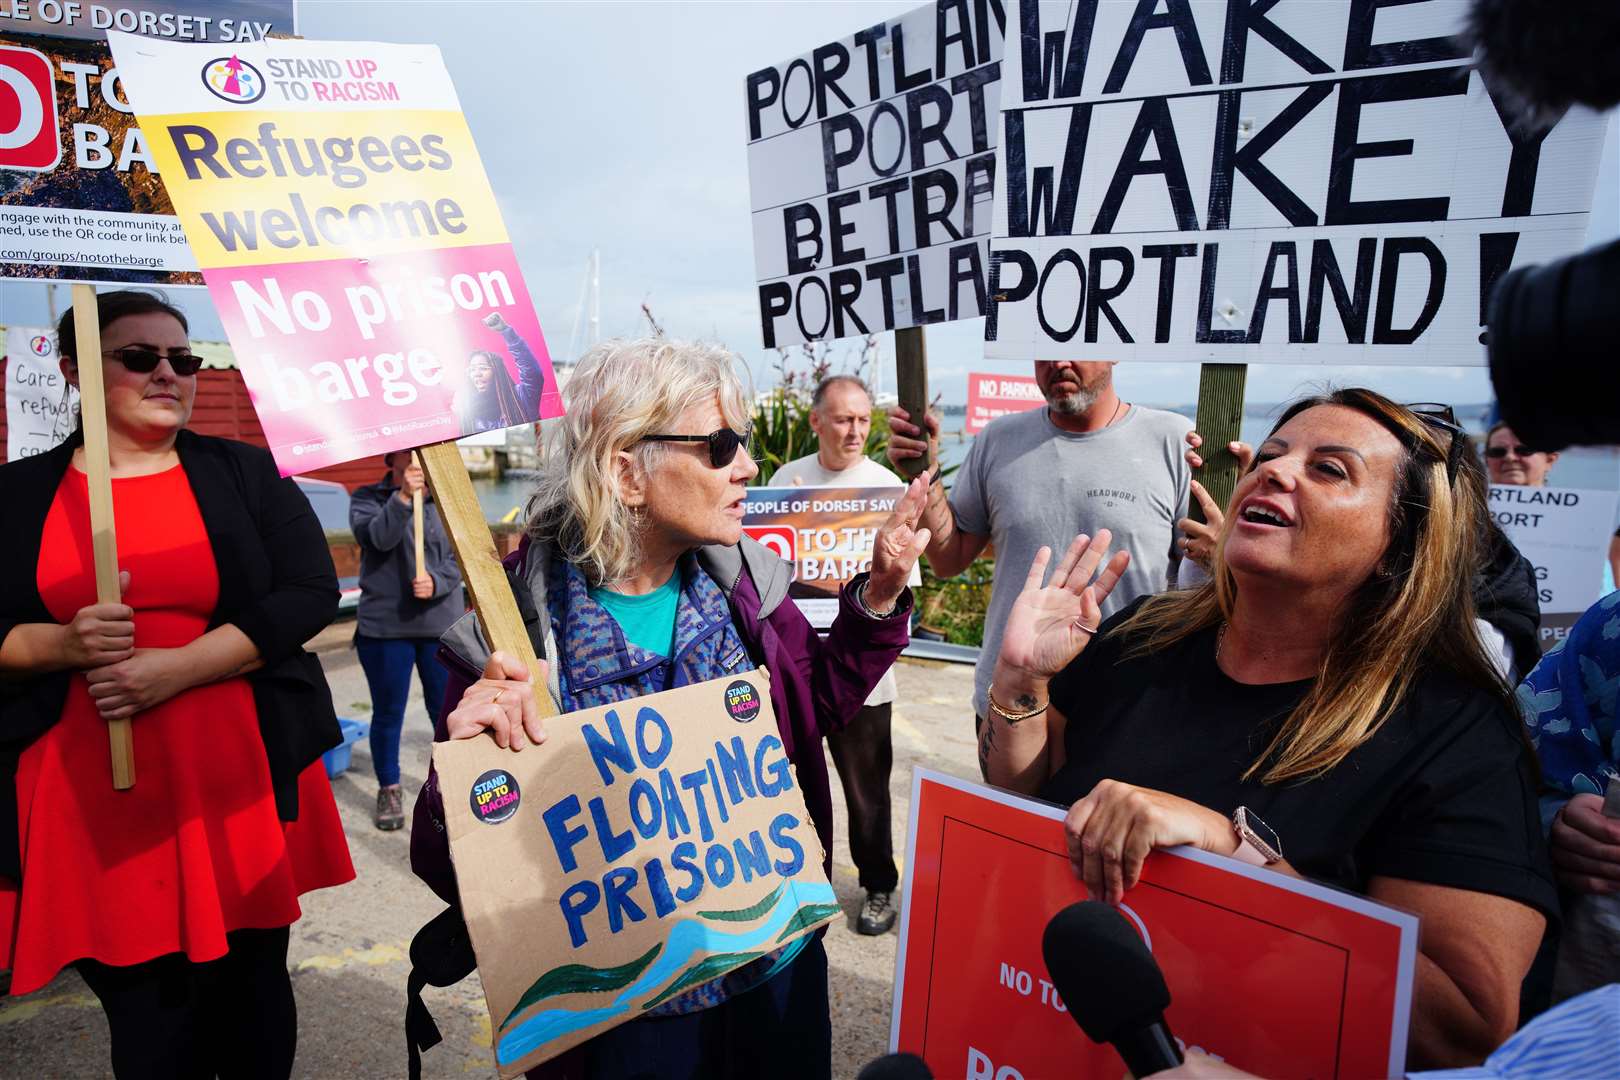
416	522
98	470
911	381
1220	421
481	566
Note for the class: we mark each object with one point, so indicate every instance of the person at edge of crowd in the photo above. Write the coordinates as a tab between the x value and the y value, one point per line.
490	400
635	577
841	417
1506	600
174	898
1322	706
1570	704
1086	462
403	610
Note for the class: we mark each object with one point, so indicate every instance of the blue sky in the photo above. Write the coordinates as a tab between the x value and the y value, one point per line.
620	127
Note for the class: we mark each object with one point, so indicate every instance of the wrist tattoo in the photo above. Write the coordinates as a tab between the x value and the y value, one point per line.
1025	702
987	745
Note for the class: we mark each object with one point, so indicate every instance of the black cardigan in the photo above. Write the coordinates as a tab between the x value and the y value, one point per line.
276	585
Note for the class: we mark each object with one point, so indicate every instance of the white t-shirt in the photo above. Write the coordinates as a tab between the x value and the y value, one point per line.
810	472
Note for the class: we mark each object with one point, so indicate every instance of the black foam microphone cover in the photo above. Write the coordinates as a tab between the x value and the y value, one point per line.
896	1067
1111	984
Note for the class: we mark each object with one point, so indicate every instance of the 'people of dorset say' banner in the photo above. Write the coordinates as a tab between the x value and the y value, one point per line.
350	240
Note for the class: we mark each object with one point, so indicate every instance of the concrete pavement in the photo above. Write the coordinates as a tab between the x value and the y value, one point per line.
349	952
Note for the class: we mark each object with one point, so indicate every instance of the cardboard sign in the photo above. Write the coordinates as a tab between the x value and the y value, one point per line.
1565	533
644	849
825	532
1324	182
350	241
82	196
990	396
871	163
1277	976
39	403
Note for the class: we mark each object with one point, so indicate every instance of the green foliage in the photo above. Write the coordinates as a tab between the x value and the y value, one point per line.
955	607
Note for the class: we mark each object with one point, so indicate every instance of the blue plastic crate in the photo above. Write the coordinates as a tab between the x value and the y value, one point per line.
337	758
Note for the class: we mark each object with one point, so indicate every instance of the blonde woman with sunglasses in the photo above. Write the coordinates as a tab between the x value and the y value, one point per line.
636	577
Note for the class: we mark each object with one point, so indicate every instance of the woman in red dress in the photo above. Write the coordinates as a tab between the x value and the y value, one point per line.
173	898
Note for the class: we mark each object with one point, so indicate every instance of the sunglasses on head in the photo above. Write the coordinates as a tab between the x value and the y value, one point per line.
1502	451
1440	417
144	361
723	444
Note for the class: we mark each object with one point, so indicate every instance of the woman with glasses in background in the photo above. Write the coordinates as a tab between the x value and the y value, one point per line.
173	898
1322	705
1508	461
640	580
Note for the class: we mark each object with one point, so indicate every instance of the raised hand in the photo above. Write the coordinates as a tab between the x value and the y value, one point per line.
495	322
897	547
1051	624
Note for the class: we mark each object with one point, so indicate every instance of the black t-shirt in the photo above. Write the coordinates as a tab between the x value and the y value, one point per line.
1444	792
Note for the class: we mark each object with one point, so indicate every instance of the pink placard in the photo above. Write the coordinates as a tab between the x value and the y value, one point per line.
350	357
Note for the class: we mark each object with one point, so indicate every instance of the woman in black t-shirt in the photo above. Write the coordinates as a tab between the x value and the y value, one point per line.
1322	705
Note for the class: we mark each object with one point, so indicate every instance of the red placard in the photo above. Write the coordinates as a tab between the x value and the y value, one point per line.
1277	976
990	396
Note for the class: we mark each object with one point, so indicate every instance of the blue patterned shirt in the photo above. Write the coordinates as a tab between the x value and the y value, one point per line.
1569	706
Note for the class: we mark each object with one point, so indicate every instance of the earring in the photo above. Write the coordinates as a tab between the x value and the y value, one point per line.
638	517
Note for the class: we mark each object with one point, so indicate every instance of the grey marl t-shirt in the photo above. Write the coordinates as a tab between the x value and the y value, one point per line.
1027	483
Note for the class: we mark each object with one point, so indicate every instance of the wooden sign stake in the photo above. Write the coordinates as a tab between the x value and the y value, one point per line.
1220	421
416	520
911	382
480	564
98	469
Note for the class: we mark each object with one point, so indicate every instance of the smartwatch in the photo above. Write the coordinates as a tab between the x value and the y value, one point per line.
1257	842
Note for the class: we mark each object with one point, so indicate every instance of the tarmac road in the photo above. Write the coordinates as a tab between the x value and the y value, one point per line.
349	952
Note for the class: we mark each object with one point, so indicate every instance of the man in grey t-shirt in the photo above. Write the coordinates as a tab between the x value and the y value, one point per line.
1087	461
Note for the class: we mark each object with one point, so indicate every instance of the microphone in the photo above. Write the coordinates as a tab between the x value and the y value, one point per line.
896	1067
1111	984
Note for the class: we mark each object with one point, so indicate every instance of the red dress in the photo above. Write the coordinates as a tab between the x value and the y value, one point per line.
195	848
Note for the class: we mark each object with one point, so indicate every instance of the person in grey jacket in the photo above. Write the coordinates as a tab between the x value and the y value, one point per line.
403	610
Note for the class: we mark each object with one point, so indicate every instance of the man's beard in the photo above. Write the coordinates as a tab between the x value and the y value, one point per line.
1078	401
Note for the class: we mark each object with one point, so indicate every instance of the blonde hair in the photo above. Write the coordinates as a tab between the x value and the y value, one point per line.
1414	614
621	392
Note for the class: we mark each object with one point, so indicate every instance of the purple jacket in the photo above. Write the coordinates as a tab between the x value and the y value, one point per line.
818	685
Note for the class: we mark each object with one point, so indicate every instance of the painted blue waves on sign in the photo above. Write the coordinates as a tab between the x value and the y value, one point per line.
689	941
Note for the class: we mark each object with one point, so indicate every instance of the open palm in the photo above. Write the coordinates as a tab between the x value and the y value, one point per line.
1050	625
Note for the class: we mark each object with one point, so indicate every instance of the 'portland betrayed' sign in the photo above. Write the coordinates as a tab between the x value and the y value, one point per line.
871	163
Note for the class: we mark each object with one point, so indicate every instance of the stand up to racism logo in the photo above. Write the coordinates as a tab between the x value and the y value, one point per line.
233	79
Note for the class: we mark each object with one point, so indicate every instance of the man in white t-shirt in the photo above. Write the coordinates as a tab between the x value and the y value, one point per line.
841	417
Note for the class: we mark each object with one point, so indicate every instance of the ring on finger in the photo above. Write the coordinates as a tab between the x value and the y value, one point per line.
496	700
1078	625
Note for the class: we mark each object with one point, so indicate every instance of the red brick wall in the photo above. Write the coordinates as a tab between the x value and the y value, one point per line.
223	408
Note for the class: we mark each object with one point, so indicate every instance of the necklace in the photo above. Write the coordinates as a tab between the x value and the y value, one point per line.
1119	403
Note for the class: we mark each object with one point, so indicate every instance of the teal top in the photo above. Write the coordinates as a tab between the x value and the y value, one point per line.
647	621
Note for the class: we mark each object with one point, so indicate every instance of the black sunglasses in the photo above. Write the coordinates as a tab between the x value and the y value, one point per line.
723	444
1439	416
144	361
1502	451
